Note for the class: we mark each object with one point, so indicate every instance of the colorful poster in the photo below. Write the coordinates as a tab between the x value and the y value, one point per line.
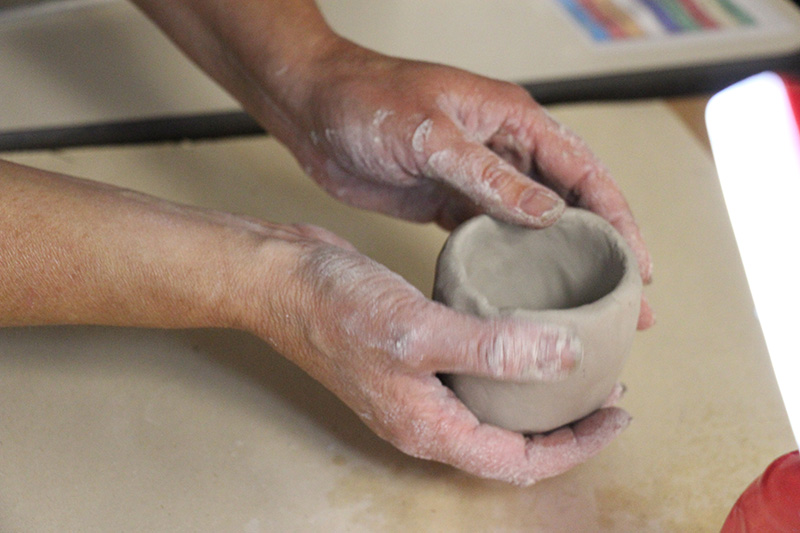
612	20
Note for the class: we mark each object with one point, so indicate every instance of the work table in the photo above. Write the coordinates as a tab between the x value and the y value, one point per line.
124	429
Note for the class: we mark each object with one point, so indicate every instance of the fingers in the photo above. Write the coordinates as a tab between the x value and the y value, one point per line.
565	162
534	142
646	315
615	396
452	435
488	180
554	453
502	348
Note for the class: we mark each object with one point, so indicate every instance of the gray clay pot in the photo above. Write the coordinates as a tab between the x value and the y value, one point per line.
578	273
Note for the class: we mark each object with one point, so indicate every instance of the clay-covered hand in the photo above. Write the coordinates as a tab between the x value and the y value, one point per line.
431	143
378	344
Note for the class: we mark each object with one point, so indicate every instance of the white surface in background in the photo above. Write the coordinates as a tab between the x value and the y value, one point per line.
106	61
756	147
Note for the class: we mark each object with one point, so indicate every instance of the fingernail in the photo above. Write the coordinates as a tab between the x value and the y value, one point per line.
616	395
622	421
646	265
540	206
647	317
556	354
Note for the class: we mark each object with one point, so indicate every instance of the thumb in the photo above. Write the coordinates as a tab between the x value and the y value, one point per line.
501	348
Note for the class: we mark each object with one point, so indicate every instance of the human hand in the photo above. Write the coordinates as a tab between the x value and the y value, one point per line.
431	143
378	344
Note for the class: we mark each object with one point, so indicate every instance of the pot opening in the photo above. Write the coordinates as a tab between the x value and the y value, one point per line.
561	267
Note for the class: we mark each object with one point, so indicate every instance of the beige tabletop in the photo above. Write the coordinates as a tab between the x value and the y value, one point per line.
121	430
145	430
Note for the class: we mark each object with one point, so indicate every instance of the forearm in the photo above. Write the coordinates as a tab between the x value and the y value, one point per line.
77	252
261	51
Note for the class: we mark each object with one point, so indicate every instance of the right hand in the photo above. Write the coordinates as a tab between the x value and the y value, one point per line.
378	344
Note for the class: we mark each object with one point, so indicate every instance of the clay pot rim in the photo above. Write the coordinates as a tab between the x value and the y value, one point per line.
629	280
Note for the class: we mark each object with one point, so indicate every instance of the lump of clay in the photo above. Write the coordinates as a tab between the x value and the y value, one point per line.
578	273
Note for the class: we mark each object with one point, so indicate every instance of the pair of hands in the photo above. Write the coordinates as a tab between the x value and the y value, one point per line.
429	143
422	142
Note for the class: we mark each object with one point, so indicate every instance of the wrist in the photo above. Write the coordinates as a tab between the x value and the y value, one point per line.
264	52
284	86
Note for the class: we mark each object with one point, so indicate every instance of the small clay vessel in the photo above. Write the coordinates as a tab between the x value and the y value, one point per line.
578	273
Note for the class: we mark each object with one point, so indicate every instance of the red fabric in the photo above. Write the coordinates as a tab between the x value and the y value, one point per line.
793	90
698	15
771	504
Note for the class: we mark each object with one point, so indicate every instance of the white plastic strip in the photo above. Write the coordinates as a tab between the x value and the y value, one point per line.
756	146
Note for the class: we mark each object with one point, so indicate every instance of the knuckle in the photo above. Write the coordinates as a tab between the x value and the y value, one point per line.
421	134
312	232
592	184
509	148
407	330
398	347
495	348
496	175
523	96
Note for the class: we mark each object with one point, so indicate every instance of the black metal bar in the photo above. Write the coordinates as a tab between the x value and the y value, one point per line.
162	129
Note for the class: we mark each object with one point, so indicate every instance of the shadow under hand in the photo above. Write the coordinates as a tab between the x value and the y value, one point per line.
254	359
